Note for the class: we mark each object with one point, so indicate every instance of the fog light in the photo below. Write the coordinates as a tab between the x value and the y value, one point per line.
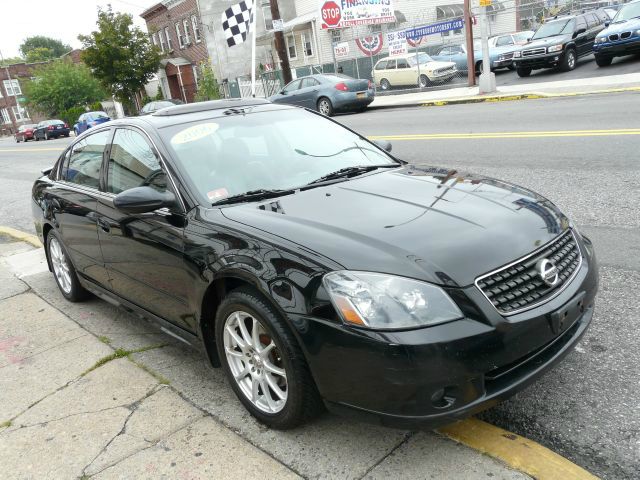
556	58
443	397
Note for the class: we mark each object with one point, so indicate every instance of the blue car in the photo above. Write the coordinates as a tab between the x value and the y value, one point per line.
621	37
88	120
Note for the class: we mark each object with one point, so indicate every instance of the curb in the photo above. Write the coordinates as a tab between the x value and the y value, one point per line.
515	451
21	236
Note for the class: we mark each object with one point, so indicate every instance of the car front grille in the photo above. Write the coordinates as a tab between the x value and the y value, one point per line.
506	56
442	71
614	37
534	51
625	35
519	286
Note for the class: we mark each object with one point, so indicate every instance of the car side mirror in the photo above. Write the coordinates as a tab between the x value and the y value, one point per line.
282	92
143	200
606	24
384	145
580	31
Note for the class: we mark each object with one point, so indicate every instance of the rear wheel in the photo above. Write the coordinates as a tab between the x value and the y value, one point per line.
523	71
325	107
424	81
479	67
384	84
46	136
63	270
263	361
568	60
603	61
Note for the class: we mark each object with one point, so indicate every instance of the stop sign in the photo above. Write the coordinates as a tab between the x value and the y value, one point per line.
331	14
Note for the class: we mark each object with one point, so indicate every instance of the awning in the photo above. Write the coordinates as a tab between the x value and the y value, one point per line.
495	7
176	61
400	17
450	11
291	25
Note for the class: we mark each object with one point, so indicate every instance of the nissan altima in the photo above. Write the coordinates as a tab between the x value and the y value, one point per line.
313	266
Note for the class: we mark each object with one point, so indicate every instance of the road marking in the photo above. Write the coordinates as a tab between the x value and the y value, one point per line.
498	135
20	235
32	149
518	452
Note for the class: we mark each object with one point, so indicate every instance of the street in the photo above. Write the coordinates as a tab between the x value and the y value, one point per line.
580	152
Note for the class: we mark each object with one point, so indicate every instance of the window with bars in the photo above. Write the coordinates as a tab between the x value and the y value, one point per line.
196	28
179	35
12	87
161	38
187	35
167	33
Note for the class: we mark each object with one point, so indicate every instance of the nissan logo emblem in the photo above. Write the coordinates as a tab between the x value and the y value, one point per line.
548	272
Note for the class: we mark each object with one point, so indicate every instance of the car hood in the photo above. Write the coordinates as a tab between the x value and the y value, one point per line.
428	223
545	42
629	25
438	64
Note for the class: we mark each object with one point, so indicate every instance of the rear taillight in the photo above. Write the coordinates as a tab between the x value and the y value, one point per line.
342	87
50	127
67	126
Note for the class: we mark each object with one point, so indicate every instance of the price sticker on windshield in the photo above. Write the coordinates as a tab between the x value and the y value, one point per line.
194	133
485	3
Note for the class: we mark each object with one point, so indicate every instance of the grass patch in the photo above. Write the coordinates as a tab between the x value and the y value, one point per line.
105	340
120	353
6	424
161	379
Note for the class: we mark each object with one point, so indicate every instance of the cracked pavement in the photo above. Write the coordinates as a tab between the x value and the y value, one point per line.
162	412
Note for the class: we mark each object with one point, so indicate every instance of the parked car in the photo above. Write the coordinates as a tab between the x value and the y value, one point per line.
48	129
25	132
501	50
560	42
327	93
419	70
89	120
621	37
313	266
156	105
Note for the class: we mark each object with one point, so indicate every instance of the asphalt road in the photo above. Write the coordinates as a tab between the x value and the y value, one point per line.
587	409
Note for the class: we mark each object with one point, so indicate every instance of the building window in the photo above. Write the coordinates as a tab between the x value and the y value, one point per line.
195	75
196	28
12	87
20	113
179	35
168	35
5	116
154	39
187	35
161	37
307	46
291	47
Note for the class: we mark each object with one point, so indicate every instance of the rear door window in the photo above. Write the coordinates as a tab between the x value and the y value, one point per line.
402	63
85	161
309	82
292	87
391	65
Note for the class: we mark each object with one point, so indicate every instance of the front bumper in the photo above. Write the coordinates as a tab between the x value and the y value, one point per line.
428	377
549	60
502	63
628	46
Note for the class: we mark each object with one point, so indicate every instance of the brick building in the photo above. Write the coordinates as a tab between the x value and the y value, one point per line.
175	28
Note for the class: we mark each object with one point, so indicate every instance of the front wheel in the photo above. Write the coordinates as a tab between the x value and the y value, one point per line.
603	61
523	71
569	60
263	361
325	107
63	270
424	81
384	84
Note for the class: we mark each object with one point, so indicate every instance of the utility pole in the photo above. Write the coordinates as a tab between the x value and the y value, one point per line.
468	30
280	45
10	110
487	77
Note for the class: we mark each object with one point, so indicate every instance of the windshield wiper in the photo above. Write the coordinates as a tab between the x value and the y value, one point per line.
260	194
351	171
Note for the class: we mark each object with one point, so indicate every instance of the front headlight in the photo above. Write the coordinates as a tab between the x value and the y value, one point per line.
381	301
638	32
517	54
555	48
601	39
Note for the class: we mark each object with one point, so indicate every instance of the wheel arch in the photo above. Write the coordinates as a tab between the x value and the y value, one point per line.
46	228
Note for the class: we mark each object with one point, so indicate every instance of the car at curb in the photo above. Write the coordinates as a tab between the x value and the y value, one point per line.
89	120
559	42
413	69
318	274
25	132
48	129
621	37
327	93
156	105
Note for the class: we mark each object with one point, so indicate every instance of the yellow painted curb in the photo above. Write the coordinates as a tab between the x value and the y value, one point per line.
508	135
22	236
517	452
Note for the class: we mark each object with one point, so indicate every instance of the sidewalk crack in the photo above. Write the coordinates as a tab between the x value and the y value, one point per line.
406	438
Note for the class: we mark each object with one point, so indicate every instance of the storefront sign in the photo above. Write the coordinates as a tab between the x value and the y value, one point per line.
349	13
397	43
434	28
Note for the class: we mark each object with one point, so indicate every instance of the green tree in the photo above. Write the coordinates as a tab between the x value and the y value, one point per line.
119	54
11	61
40	48
208	88
62	85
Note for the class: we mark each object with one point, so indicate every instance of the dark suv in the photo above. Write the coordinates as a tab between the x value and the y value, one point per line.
559	42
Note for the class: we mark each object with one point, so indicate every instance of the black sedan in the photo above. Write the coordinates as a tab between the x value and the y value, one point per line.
313	266
328	93
51	129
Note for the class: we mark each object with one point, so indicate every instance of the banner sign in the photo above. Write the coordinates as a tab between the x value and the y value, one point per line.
415	33
349	13
341	49
416	41
397	43
370	46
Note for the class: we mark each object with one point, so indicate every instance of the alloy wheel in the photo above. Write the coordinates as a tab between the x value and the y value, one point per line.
384	84
324	107
60	265
255	362
571	61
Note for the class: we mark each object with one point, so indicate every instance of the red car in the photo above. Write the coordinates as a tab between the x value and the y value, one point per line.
25	132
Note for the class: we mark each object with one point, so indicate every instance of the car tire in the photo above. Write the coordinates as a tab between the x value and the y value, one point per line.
325	106
63	270
46	136
424	81
511	67
569	60
523	71
479	67
384	84
254	376
17	141
603	61
36	138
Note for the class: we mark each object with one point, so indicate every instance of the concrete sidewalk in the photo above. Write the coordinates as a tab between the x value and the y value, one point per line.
87	390
626	82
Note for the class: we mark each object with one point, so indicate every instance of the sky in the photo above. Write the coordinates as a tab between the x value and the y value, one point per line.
60	19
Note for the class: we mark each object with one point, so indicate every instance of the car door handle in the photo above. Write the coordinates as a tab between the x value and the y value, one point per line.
104	225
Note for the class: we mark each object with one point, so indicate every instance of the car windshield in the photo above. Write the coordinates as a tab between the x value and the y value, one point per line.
630	10
555	28
100	115
522	37
422	57
281	149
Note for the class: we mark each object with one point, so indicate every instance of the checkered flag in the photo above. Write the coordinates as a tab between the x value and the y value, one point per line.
237	21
